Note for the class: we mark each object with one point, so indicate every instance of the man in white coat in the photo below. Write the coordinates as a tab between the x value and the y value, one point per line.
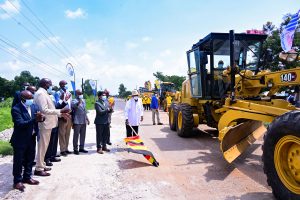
47	107
133	114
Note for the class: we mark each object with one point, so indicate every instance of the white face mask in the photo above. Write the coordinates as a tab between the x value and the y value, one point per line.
80	96
104	98
136	98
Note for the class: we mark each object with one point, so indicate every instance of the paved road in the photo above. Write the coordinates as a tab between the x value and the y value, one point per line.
190	168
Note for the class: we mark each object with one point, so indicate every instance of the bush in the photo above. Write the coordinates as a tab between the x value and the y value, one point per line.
5	148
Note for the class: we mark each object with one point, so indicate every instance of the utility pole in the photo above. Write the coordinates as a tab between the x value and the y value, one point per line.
82	86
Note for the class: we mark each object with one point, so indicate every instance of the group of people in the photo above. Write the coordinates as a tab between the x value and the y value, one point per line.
46	116
146	100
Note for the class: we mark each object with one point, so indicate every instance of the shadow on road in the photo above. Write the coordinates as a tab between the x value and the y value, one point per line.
251	196
132	164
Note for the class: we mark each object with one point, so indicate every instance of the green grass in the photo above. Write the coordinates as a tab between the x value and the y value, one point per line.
5	118
90	101
5	148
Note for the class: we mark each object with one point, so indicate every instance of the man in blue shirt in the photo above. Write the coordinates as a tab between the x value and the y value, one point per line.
154	108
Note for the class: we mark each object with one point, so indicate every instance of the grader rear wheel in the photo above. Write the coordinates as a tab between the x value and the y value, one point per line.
281	156
173	116
185	120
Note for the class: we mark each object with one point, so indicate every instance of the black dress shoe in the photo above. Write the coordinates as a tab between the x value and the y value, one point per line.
109	143
19	186
48	163
68	152
41	173
31	181
76	152
83	151
64	153
57	156
55	159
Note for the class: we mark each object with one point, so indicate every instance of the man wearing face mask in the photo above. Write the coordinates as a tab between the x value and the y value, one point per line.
26	116
64	125
17	97
133	114
80	119
31	89
101	121
47	107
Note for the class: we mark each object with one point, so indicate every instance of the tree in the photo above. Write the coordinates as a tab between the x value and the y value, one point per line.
6	88
177	80
87	87
273	43
123	93
25	76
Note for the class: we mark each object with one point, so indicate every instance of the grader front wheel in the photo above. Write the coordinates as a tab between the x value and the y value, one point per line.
173	116
185	120
281	156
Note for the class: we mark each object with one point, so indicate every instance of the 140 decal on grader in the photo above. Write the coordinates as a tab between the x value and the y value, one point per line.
227	97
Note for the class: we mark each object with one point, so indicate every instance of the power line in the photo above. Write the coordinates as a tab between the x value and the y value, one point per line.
24	59
50	32
46	28
28	30
13	45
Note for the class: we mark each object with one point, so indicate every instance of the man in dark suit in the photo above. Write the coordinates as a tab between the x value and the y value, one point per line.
25	116
101	122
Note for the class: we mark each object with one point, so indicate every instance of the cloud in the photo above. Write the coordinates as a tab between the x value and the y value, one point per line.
131	45
53	40
26	44
11	7
79	13
146	39
165	53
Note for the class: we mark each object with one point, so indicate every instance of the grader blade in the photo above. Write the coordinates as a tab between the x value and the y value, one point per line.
235	140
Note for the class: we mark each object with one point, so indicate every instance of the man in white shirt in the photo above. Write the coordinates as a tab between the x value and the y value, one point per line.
133	113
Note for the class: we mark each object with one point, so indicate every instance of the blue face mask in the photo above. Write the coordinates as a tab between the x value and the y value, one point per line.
29	102
104	98
49	90
65	87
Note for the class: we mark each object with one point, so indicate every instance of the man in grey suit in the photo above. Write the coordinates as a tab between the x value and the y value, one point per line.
47	107
80	119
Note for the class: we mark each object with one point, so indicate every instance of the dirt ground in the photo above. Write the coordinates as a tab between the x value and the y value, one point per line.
190	168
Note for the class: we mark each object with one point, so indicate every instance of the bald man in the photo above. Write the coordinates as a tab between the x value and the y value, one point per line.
26	116
47	107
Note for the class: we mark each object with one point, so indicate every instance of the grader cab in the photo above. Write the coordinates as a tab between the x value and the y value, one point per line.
226	77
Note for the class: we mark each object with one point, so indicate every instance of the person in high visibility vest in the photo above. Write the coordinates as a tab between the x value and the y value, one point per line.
148	102
144	102
169	101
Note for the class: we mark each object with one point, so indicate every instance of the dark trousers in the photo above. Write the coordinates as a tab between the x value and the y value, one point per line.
52	148
79	132
102	131
129	131
148	106
145	106
23	157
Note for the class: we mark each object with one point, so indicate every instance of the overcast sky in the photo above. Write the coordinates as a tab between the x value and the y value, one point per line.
119	41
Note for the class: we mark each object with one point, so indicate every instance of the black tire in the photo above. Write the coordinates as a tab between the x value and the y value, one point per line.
186	128
172	123
285	125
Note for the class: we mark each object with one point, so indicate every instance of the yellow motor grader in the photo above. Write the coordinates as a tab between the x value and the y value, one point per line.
226	78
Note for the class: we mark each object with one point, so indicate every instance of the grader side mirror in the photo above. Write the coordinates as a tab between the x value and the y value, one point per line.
203	58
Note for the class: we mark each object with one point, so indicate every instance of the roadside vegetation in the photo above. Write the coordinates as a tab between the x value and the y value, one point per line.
5	116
